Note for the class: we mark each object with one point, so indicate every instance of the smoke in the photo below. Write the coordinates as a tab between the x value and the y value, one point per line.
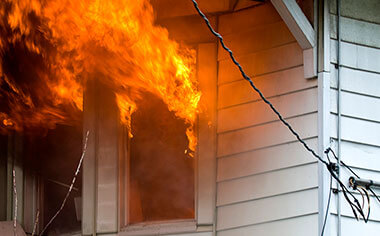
162	175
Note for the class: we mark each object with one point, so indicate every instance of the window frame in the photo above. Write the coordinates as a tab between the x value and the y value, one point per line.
205	159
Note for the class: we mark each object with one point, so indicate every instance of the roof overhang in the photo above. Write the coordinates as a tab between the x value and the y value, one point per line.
302	30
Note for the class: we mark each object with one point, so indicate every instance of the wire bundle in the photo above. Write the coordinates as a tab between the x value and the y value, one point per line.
363	191
354	203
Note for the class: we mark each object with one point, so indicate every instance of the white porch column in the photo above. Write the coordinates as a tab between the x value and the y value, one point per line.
100	170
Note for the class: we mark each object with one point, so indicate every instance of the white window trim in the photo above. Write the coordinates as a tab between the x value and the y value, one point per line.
158	228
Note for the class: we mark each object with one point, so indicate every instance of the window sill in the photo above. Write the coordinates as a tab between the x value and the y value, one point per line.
159	228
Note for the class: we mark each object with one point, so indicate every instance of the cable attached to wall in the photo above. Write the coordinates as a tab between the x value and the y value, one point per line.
377	197
71	185
327	208
355	205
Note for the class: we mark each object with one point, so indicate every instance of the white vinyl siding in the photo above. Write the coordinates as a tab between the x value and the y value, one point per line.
267	184
360	102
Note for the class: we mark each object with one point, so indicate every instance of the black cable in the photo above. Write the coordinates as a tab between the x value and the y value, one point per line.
246	77
357	176
353	172
377	197
328	207
368	201
354	207
344	164
345	190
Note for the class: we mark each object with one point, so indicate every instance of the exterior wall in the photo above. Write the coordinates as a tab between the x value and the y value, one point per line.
360	103
267	184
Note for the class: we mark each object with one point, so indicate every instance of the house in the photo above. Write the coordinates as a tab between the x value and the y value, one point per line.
317	62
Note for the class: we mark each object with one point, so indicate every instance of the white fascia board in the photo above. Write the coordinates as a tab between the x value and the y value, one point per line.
297	22
302	30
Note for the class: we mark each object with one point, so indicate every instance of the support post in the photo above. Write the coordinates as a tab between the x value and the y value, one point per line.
100	206
207	77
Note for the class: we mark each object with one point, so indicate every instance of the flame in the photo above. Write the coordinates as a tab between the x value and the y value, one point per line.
127	107
116	41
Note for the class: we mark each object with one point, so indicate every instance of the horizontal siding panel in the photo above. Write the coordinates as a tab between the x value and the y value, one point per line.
269	184
360	83
236	21
355	31
351	226
356	105
347	211
261	62
264	160
299	226
366	10
356	56
360	155
355	130
357	81
268	209
266	135
271	35
259	112
272	84
363	173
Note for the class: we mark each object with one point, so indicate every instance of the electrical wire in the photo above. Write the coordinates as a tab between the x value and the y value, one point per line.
377	197
355	206
246	77
361	194
356	175
36	222
15	203
368	201
344	164
71	186
327	208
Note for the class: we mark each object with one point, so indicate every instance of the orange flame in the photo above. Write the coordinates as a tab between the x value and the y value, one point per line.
115	40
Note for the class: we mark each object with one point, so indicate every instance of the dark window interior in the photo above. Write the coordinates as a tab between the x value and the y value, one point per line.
53	156
161	173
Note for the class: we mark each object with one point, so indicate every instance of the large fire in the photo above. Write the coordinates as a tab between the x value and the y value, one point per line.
59	44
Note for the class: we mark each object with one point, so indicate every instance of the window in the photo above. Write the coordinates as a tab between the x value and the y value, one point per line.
130	185
168	191
161	176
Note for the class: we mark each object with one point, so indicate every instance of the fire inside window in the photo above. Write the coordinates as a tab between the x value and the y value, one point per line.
161	180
